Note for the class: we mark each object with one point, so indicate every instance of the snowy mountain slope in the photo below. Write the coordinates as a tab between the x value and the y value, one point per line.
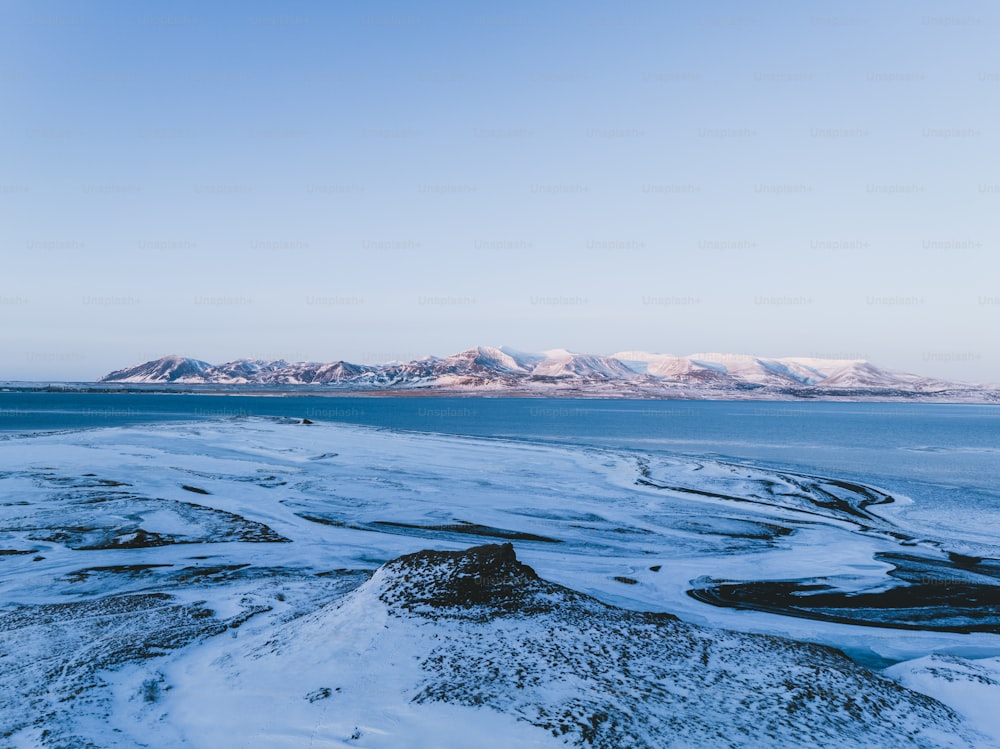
761	371
562	363
247	370
970	685
280	372
334	372
494	359
659	365
479	630
740	366
863	374
815	368
474	365
526	360
558	372
168	369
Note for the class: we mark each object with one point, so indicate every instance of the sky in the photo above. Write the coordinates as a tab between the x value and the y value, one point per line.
376	181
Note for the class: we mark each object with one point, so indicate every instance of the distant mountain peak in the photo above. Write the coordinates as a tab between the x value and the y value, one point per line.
172	368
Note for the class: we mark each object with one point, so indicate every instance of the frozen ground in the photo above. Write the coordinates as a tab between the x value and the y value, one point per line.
185	585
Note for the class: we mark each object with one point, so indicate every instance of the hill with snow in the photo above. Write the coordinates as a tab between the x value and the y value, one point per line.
437	634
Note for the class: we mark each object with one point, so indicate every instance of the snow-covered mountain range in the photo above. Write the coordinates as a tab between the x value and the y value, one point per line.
635	374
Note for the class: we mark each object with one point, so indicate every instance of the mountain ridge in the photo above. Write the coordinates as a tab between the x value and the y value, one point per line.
633	374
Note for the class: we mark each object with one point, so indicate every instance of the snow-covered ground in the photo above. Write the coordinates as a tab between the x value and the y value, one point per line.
198	584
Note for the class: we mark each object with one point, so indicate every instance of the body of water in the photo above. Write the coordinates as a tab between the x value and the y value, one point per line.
945	457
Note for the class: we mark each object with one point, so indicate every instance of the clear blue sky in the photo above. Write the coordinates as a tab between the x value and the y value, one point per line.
383	180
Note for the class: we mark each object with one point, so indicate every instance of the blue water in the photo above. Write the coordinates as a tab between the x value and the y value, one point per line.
947	456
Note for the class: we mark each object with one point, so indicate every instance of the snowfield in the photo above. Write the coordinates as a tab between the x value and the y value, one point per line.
263	582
